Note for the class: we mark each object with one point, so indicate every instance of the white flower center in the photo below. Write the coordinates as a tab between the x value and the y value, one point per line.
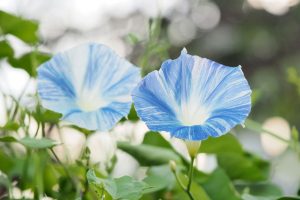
192	113
89	104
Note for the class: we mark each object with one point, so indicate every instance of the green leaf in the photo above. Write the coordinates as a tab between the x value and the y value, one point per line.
295	134
252	197
29	62
225	143
40	161
132	116
294	78
49	180
46	116
5	50
132	39
8	139
7	162
4	181
243	167
10	126
120	188
66	189
128	188
34	143
260	189
218	186
26	30
156	139
154	180
148	155
255	96
101	184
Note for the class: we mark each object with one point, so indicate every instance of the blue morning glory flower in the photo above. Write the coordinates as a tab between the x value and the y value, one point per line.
193	98
90	85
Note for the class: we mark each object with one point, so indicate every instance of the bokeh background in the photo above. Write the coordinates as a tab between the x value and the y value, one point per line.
261	35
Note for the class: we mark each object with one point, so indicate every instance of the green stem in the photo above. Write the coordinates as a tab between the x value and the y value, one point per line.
191	170
179	182
86	183
44	132
37	130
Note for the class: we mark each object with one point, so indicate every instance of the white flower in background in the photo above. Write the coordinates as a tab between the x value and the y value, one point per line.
285	172
271	145
140	130
126	165
9	85
20	89
132	132
178	144
102	146
18	194
206	162
275	7
72	143
123	131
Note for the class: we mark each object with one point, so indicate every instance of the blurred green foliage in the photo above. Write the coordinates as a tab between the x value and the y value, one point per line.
29	62
25	30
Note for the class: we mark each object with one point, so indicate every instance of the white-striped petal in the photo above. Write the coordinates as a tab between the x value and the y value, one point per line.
89	84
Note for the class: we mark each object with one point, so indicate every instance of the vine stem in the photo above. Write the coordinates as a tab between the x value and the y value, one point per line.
193	148
186	189
173	169
191	170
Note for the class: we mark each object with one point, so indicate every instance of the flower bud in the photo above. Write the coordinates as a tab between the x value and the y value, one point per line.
172	164
193	147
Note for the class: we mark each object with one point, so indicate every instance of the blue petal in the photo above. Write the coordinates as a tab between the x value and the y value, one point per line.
193	98
89	84
154	104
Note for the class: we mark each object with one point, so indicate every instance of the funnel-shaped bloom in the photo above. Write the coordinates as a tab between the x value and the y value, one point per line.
193	98
89	84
